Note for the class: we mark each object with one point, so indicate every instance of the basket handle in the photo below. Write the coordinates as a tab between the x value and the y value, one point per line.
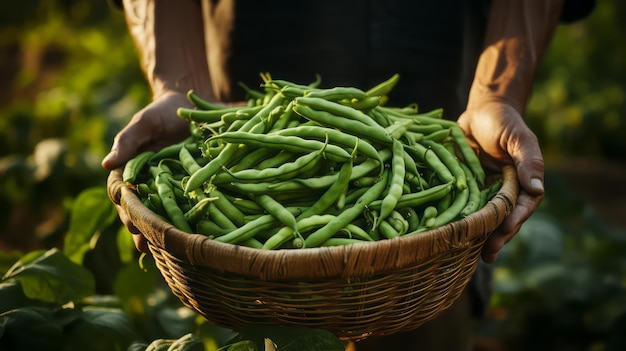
114	185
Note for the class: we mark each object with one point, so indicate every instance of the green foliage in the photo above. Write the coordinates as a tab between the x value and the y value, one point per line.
69	80
50	276
560	280
579	99
91	211
49	299
288	338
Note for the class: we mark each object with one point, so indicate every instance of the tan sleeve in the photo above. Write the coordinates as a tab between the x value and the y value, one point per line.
169	36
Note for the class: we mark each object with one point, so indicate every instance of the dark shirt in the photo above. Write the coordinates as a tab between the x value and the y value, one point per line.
433	45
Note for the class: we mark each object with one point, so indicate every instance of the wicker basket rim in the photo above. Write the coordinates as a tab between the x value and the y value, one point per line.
350	261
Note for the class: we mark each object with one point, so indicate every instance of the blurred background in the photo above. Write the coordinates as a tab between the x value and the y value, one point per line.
70	79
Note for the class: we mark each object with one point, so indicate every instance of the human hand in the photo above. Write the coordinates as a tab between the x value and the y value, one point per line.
154	127
503	137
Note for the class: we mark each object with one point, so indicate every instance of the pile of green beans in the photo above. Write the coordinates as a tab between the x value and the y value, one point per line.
301	166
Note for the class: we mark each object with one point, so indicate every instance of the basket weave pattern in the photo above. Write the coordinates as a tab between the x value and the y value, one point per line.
355	291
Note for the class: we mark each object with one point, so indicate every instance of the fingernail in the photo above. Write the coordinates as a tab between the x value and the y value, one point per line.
536	184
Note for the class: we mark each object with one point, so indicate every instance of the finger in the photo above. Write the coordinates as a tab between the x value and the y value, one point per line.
525	206
141	243
495	243
126	145
126	220
526	155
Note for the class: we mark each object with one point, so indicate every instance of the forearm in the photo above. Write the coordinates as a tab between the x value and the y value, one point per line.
518	33
169	38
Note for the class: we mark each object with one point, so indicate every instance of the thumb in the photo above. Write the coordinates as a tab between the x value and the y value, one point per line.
125	146
526	155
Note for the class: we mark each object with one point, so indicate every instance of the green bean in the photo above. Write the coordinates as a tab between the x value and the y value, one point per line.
337	109
425	129
280	84
247	206
304	225
365	104
201	103
253	227
292	92
354	231
337	93
278	159
473	200
353	195
334	137
272	117
290	143
432	159
445	201
283	119
359	129
341	241
198	211
277	210
188	161
307	224
469	156
173	150
397	129
419	198
229	118
134	167
210	228
332	194
155	203
251	92
220	218
409	163
212	116
385	87
439	136
487	193
379	117
412	218
451	162
453	212
227	207
388	203
347	215
285	171
252	158
165	190
143	189
411	109
398	222
429	217
425	119
252	242
415	181
207	171
386	229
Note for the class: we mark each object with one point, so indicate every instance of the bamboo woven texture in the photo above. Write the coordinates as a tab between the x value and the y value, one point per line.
355	291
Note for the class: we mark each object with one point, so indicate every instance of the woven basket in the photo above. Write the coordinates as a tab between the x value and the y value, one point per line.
355	291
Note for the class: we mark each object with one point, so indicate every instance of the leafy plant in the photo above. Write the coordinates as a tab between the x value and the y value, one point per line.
52	299
558	284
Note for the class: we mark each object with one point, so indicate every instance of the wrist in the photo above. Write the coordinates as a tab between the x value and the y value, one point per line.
164	87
